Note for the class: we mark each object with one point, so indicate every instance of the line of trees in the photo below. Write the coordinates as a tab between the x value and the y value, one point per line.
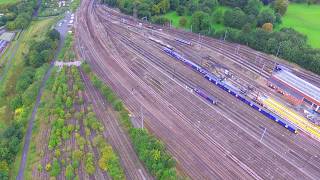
249	22
20	95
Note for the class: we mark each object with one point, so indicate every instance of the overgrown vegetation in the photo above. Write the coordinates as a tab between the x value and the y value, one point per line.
150	150
67	53
17	15
71	123
74	5
18	94
249	22
52	7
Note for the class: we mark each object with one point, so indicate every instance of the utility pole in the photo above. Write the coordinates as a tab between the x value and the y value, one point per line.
199	40
141	116
237	49
278	50
225	35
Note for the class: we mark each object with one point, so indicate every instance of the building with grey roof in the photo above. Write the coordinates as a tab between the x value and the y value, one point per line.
297	87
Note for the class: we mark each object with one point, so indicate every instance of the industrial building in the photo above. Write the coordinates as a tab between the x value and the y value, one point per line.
295	89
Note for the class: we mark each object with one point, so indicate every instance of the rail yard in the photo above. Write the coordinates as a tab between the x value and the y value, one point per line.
208	100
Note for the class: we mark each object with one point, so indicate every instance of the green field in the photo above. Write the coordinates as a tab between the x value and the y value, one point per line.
173	16
305	19
8	1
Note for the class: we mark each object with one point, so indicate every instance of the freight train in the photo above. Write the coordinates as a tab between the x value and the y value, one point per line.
215	80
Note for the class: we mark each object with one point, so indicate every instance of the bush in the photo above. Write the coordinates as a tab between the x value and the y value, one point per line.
69	172
183	22
55	171
89	164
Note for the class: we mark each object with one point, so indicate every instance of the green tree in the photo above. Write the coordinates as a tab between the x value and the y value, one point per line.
69	172
183	22
55	171
217	16
181	10
89	164
281	6
235	18
4	170
200	22
174	4
253	7
69	102
266	16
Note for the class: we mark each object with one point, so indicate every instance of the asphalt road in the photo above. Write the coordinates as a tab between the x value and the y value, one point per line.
63	30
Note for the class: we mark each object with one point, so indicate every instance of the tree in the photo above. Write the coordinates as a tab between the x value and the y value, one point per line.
208	5
48	167
174	4
4	170
164	6
281	6
217	16
266	16
69	102
69	172
183	22
253	7
54	34
181	10
89	164
236	18
200	22
55	171
267	27
235	3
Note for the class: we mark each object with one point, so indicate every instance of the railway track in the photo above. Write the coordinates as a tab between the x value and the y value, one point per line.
144	53
245	54
176	140
204	130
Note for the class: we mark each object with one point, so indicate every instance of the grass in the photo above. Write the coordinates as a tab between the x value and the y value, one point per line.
175	18
8	1
304	19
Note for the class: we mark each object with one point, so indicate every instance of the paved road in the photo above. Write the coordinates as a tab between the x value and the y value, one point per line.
63	29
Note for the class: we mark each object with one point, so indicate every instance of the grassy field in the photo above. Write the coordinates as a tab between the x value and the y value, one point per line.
304	19
8	1
174	17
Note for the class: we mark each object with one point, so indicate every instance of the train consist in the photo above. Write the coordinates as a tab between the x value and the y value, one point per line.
160	43
183	41
206	96
215	80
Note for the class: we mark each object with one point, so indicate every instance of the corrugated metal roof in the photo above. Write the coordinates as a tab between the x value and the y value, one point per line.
299	84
